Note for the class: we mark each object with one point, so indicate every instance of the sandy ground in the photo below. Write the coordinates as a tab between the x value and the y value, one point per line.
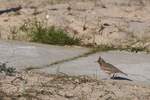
40	86
110	22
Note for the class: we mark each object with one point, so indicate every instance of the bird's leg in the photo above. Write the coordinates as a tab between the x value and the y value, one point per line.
113	76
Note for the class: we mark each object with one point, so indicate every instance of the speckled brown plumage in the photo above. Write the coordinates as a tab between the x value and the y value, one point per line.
109	68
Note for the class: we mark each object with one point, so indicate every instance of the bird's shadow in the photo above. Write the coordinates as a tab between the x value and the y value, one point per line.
120	78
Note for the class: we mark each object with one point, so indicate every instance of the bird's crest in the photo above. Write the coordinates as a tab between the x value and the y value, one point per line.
100	60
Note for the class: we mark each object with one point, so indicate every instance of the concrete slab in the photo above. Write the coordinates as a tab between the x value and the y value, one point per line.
22	55
136	65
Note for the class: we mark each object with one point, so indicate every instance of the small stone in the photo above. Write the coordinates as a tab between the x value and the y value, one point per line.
69	95
77	80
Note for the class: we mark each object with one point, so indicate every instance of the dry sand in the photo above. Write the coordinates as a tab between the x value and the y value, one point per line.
41	86
109	22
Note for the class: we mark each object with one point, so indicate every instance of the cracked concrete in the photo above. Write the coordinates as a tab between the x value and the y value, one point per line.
136	65
22	55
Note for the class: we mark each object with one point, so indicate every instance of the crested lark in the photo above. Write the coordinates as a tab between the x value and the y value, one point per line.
109	68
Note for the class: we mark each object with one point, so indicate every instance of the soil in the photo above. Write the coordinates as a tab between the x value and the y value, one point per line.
40	86
109	22
118	23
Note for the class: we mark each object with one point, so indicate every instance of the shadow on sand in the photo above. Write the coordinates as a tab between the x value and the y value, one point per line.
121	78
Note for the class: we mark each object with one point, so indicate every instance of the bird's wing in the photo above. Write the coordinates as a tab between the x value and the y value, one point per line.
115	69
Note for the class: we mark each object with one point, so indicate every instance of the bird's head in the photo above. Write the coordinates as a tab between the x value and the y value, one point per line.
100	60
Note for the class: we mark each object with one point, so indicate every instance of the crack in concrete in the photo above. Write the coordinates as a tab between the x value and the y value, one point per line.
64	60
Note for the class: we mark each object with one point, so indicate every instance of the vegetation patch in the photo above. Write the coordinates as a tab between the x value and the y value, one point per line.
7	70
129	48
40	32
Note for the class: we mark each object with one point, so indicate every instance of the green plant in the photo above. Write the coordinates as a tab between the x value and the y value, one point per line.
39	32
7	70
103	48
135	49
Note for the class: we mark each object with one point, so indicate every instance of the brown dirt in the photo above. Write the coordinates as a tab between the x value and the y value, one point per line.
41	86
110	22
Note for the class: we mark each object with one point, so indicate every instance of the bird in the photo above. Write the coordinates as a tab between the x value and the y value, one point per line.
109	68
